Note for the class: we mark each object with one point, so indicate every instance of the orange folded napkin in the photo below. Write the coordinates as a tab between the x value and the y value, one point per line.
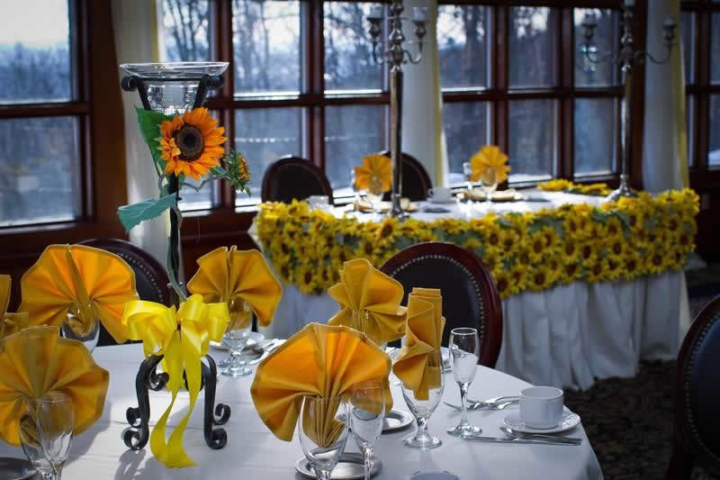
319	360
91	283
370	302
235	277
425	325
375	174
9	322
36	361
489	157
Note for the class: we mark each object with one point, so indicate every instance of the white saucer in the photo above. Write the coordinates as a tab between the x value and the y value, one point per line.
568	421
443	202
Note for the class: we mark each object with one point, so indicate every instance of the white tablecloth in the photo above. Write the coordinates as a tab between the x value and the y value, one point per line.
567	336
253	452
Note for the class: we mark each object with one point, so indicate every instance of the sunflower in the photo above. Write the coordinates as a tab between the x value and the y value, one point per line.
518	279
502	283
305	278
570	272
537	247
557	185
190	144
614	270
570	251
616	248
508	240
631	266
596	271
539	280
655	261
388	230
489	159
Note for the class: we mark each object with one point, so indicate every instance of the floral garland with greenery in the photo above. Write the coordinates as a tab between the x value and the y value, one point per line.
560	185
524	251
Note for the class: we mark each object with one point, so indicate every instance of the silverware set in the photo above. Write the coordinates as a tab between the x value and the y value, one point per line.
263	349
496	403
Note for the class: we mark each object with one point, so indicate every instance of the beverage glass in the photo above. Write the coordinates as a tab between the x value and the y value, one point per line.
422	409
323	432
236	337
488	180
367	412
464	353
467	172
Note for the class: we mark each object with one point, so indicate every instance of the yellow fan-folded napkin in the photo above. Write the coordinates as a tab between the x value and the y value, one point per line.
319	360
9	322
92	283
235	277
425	325
36	361
369	301
183	337
375	174
489	158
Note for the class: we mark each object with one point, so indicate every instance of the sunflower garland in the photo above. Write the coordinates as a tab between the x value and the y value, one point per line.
524	251
561	185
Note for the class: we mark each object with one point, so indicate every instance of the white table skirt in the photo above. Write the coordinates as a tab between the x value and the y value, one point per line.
566	336
253	452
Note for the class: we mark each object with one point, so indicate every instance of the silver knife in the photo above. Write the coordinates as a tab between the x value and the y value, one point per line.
563	441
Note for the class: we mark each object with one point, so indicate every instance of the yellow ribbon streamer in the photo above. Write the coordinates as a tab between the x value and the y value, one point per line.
183	337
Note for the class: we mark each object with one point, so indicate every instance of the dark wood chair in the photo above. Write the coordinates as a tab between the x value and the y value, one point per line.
151	278
470	298
415	179
697	398
294	178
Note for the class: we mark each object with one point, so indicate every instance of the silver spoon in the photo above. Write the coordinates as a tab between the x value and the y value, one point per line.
539	436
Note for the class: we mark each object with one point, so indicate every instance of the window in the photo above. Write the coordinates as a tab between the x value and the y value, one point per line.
301	82
514	76
40	98
700	25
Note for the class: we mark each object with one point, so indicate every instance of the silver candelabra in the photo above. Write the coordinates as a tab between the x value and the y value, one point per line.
627	57
395	56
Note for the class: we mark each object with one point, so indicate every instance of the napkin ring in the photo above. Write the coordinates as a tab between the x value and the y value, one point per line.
137	434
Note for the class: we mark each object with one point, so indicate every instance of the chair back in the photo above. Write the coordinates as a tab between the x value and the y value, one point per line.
697	397
293	178
470	298
415	179
151	278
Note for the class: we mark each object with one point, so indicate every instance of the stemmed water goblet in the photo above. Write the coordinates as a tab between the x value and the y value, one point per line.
489	183
422	409
236	337
467	172
46	433
323	432
367	413
464	352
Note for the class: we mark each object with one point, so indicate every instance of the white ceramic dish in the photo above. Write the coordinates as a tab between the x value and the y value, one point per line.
569	420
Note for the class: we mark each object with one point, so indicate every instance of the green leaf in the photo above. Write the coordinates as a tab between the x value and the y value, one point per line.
132	215
149	122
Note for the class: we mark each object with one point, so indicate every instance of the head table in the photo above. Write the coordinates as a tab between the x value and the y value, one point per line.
566	336
253	452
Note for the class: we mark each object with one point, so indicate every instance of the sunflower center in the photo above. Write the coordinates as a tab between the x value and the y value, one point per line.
191	143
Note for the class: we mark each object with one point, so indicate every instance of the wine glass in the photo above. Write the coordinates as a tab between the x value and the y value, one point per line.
467	171
367	413
375	193
323	432
235	338
464	353
77	329
488	180
46	433
422	409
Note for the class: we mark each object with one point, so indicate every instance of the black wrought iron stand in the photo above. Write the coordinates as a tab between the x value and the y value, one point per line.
137	435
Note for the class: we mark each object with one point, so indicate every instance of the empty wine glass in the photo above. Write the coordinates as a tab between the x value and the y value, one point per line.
488	180
46	433
464	353
375	193
323	432
367	412
422	409
235	338
77	328
467	172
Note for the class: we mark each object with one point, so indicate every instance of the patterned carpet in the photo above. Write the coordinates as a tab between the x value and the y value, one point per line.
630	421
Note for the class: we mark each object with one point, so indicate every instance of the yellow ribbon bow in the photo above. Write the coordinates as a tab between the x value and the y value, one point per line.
489	159
183	337
9	322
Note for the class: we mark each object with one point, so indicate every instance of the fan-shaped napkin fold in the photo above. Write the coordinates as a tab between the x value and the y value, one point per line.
36	361
370	302
9	322
319	360
425	325
375	174
492	158
228	275
92	283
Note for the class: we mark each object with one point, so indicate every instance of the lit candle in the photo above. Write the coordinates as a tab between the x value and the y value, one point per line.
419	14
375	13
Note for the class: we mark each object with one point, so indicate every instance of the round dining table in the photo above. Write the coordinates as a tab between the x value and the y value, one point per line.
253	452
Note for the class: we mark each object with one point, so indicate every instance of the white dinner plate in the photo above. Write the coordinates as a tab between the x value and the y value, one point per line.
434	476
569	420
255	338
350	467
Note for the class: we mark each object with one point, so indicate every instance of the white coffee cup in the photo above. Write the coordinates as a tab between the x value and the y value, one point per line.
440	194
541	407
